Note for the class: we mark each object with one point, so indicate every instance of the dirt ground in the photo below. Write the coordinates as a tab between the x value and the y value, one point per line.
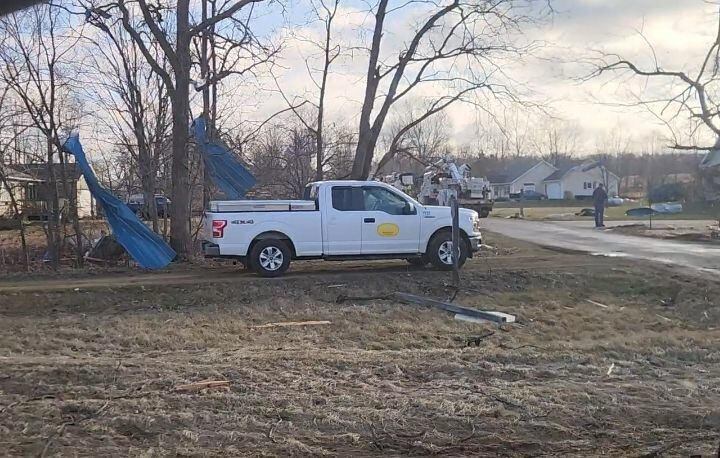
609	357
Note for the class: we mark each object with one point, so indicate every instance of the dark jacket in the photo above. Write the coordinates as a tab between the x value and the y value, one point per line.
599	197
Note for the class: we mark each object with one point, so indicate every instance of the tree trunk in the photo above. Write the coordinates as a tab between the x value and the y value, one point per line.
147	178
53	210
367	137
70	190
18	214
180	223
204	75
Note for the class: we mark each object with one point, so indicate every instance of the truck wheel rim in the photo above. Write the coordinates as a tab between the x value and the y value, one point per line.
445	252
271	258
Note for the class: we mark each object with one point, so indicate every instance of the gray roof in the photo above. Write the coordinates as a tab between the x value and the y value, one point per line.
40	171
559	173
511	172
15	175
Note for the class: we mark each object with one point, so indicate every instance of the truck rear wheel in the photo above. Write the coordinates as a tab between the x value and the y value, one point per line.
270	258
440	251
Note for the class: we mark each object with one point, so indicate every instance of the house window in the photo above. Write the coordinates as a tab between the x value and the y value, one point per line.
32	192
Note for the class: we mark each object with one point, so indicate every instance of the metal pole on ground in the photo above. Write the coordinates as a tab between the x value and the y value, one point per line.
455	240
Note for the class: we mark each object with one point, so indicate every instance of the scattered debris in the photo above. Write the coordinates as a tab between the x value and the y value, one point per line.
586	212
610	369
476	340
469	319
335	286
615	201
667	207
496	317
342	298
105	249
640	212
223	385
597	303
283	324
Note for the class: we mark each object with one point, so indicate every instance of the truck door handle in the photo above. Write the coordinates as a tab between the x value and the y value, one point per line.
369	220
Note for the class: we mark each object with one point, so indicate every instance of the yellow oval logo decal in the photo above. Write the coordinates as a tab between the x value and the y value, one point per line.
388	230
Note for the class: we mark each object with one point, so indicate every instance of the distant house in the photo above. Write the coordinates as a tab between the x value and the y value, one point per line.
520	177
20	185
579	181
36	191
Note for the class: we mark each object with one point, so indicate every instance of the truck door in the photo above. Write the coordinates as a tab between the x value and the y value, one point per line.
390	223
342	221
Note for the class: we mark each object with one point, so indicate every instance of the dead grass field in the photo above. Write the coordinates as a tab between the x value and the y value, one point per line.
92	371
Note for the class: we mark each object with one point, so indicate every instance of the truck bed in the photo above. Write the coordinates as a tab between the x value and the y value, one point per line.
236	206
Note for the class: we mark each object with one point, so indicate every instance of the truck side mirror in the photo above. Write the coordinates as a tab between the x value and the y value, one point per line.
409	209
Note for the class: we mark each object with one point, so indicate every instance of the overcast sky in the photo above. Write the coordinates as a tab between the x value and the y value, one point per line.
679	30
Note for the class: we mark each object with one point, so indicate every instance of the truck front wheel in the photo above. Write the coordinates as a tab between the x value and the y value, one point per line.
440	251
270	258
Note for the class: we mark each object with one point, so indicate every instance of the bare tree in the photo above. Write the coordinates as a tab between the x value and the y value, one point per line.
456	45
282	161
412	136
176	48
35	58
556	141
693	94
324	12
10	129
135	102
8	6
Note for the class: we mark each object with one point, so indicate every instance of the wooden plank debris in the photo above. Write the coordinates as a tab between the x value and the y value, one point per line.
597	303
223	385
283	324
496	317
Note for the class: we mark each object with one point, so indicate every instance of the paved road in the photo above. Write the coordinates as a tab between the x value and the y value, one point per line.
581	236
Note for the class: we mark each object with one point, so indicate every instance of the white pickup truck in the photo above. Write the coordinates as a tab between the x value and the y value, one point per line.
338	220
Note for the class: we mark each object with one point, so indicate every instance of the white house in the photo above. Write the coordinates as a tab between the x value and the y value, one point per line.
579	181
520	177
36	189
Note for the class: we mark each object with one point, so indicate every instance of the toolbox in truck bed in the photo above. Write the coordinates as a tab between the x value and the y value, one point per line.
224	206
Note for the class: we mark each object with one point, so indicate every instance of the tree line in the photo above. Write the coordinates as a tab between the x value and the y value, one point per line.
134	73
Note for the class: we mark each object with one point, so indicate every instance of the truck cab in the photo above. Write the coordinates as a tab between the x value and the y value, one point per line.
337	220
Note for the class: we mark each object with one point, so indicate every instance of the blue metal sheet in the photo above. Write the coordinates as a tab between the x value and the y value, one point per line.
144	245
224	168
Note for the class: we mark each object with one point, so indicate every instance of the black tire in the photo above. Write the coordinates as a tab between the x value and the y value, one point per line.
269	258
438	246
420	261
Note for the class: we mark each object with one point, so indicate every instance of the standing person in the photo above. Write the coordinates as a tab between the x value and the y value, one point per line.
599	198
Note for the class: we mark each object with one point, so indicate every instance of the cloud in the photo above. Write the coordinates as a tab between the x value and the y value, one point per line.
680	32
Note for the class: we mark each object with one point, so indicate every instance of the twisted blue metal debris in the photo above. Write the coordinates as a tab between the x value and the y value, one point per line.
144	245
224	168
